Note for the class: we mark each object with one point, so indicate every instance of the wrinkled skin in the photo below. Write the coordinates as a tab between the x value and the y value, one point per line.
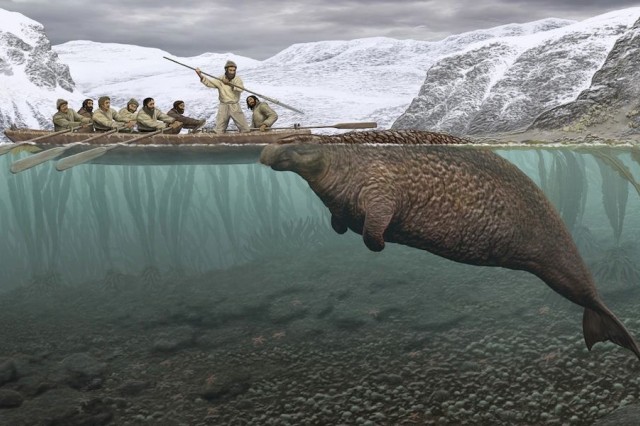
468	205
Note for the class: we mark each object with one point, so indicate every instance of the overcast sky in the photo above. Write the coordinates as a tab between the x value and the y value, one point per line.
261	29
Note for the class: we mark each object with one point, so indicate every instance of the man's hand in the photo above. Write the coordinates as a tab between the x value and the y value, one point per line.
176	124
264	128
199	72
130	124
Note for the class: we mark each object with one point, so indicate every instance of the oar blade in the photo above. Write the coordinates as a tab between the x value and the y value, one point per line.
39	158
364	125
82	157
8	147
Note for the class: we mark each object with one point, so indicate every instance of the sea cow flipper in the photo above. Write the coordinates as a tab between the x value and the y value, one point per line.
338	225
377	219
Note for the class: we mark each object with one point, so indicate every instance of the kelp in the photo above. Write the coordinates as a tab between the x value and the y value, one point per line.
144	212
175	201
607	157
615	191
564	184
618	266
39	202
220	186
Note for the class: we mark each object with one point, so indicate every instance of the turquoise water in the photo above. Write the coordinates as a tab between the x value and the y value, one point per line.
220	295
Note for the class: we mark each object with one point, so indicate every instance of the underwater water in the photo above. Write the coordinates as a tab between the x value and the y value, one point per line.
220	295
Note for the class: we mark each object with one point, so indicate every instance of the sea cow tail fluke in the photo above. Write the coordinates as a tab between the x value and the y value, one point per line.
602	326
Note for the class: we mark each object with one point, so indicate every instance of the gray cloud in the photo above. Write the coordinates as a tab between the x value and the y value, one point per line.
262	30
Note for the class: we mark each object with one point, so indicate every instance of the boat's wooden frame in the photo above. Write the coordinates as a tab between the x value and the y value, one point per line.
164	149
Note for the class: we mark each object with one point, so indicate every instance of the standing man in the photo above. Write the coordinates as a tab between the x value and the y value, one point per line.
106	118
151	118
67	118
87	108
263	116
229	97
177	112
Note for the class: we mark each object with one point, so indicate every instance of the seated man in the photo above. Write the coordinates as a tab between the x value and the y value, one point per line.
177	112
263	116
67	118
151	119
128	113
105	118
87	108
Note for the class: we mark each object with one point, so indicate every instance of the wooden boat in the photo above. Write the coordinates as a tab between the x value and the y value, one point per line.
164	149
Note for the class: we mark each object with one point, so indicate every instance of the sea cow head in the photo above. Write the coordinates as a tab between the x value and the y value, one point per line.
310	161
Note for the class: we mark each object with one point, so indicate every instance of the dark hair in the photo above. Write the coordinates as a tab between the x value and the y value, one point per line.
86	101
176	103
146	101
254	97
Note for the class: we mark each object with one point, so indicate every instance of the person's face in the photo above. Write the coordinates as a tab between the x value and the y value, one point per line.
64	108
132	107
231	72
106	105
251	102
151	104
181	107
90	104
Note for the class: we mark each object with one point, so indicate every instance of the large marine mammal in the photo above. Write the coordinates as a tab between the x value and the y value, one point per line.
468	205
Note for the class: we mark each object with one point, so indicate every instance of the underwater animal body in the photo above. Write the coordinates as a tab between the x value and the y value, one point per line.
467	205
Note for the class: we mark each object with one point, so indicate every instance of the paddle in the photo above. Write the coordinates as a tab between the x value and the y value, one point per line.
50	154
239	87
8	147
83	157
365	125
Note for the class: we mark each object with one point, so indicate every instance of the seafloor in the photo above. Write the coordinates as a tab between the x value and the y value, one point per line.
332	335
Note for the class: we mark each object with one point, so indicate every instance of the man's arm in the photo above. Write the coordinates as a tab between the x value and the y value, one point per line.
81	119
269	113
61	121
238	84
148	122
103	121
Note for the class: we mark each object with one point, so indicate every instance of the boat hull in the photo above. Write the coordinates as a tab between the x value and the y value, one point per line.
198	148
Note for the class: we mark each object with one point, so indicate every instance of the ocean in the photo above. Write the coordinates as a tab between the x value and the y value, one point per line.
221	295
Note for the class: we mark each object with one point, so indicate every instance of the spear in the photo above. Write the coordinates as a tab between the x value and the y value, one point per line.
240	87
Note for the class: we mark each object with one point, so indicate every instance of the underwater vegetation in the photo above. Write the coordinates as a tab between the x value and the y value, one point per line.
566	182
149	226
157	224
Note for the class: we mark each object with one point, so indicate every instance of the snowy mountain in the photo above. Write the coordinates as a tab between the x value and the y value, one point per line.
613	99
499	85
481	81
31	75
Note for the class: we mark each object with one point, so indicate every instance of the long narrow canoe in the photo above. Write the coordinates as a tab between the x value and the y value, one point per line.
162	149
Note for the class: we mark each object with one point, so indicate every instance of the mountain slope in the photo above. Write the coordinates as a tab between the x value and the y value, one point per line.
31	74
612	100
503	85
478	82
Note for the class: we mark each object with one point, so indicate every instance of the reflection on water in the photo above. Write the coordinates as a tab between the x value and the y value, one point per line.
220	294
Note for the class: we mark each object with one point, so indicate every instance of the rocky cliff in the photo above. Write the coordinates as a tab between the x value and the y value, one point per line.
31	74
505	85
612	101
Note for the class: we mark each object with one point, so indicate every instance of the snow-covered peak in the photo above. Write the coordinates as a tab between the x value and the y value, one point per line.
25	28
31	75
486	80
503	84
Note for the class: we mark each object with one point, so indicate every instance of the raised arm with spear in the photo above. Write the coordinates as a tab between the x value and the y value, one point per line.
229	88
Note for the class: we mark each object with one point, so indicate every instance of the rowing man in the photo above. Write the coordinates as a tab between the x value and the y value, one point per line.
67	118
